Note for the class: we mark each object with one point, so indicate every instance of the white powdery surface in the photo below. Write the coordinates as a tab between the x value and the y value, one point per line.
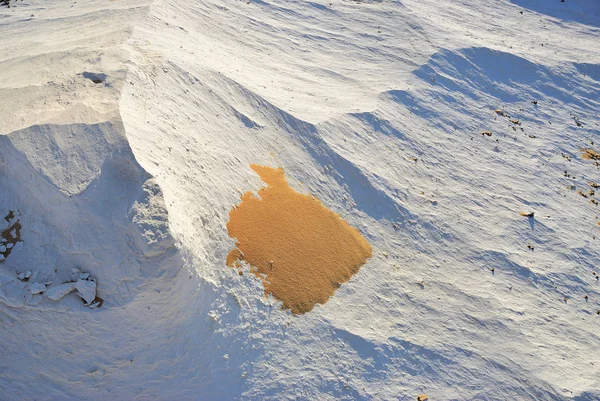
375	107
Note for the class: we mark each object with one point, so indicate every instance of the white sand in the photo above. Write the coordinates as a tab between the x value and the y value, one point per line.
343	95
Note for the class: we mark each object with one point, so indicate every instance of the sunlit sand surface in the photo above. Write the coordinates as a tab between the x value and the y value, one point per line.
301	250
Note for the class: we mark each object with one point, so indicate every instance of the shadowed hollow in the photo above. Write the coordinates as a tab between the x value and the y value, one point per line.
301	250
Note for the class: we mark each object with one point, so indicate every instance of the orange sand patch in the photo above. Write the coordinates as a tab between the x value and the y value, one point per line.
301	250
590	154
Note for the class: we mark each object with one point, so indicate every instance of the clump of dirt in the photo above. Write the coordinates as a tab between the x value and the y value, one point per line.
9	236
301	250
590	154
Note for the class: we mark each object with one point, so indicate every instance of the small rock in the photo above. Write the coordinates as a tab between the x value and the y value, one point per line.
58	292
21	276
37	288
28	274
96	303
2	249
86	289
36	299
84	276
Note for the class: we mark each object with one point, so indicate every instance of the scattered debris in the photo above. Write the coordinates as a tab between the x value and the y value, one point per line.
83	283
580	192
24	276
590	154
500	112
9	236
594	185
515	121
534	101
530	247
486	133
422	397
527	214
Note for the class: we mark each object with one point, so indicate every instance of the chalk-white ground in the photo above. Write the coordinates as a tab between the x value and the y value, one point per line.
126	133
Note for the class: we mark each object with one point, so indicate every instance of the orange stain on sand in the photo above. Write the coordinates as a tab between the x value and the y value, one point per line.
301	250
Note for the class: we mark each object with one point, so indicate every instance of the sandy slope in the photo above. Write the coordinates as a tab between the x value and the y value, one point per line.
344	96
